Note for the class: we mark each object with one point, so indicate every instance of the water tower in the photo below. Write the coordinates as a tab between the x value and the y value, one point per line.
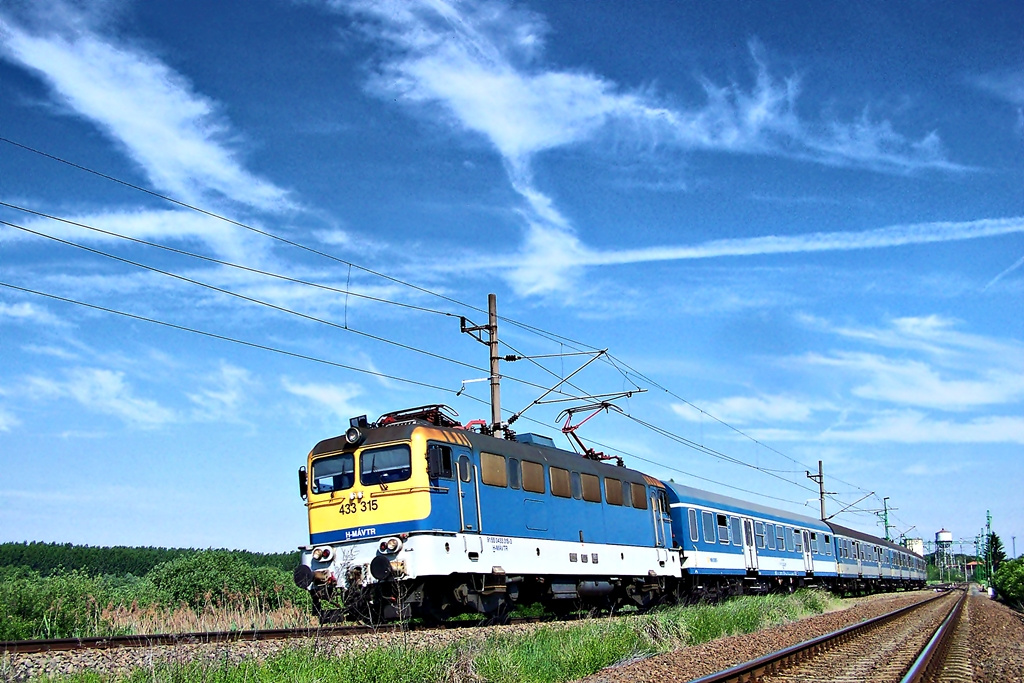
943	550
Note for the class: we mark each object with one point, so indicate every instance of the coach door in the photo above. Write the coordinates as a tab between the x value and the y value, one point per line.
808	558
468	483
749	549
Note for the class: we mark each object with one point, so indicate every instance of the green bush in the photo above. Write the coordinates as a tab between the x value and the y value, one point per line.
1009	582
223	577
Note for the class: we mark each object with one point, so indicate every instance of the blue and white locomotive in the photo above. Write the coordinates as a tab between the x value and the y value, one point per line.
417	515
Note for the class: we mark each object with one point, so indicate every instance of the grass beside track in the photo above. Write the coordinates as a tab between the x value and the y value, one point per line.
556	652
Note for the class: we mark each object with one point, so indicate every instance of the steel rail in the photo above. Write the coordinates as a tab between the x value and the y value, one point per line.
931	659
205	637
773	662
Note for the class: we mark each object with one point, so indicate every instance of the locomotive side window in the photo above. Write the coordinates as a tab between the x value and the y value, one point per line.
707	520
639	495
385	465
334	473
591	487
737	536
577	485
492	470
771	537
533	477
692	517
439	461
515	474
759	534
723	529
612	491
559	482
465	469
627	498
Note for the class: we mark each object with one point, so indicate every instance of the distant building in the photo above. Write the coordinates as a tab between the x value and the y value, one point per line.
914	545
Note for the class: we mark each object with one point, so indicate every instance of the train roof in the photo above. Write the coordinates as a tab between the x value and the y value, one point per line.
532	448
840	530
718	500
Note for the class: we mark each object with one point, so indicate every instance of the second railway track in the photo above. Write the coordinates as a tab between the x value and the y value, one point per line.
887	648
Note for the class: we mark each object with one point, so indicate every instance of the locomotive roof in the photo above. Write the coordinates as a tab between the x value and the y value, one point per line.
840	530
717	499
402	431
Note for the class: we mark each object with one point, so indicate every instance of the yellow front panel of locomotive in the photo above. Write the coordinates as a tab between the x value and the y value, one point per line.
369	508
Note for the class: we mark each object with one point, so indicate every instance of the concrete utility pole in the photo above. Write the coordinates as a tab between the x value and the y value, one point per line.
820	479
497	427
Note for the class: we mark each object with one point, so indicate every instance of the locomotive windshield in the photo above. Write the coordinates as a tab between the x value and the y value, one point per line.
334	473
385	465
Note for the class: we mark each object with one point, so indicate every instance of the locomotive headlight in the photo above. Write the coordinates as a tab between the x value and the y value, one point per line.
391	545
323	553
353	436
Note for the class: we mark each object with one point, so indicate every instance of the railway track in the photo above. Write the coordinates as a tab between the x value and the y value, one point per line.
173	639
908	645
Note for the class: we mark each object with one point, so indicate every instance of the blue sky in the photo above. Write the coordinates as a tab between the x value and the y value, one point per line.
800	229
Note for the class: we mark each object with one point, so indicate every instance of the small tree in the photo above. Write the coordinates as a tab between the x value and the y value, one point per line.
1009	582
996	554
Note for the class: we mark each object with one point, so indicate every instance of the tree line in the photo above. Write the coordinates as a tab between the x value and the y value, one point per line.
49	558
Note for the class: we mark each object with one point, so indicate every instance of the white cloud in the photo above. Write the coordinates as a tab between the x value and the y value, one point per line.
223	398
8	421
337	399
480	67
167	227
747	409
175	134
103	391
28	312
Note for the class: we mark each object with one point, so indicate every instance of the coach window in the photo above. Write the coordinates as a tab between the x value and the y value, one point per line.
798	543
493	471
385	465
790	535
769	530
612	491
814	543
638	492
737	533
333	473
533	477
691	515
559	482
828	545
723	529
591	487
515	474
707	520
780	534
759	534
577	486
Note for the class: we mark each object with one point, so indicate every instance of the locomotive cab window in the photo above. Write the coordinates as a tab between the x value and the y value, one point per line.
560	485
333	473
439	461
533	477
492	470
591	487
385	465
